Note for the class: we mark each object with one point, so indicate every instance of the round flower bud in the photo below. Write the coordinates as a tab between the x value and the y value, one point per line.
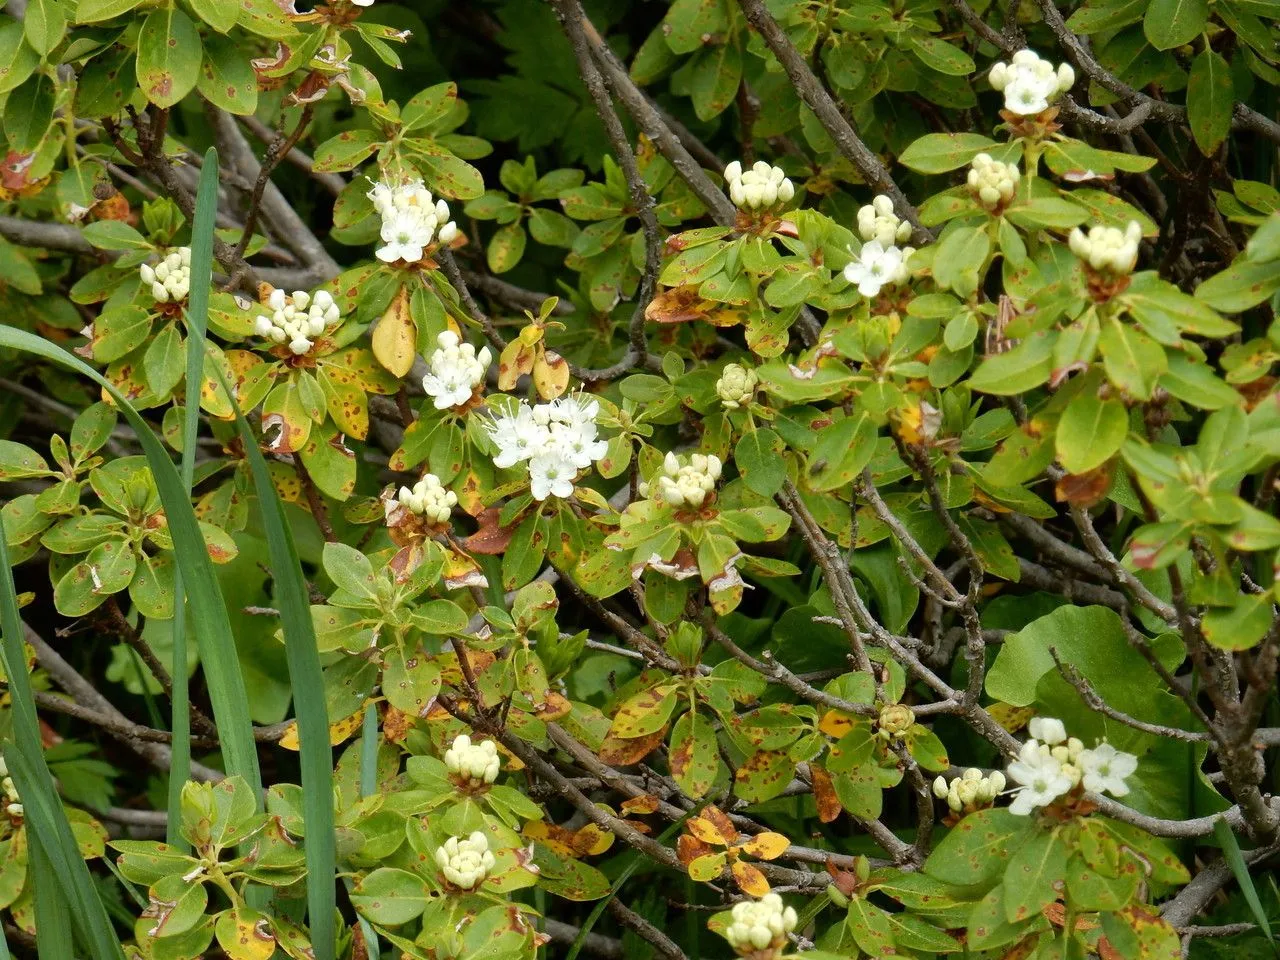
465	862
896	719
736	386
992	183
759	188
759	927
473	764
1108	250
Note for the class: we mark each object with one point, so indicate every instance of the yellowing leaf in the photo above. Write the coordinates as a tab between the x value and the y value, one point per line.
707	867
766	846
750	879
395	337
835	724
339	731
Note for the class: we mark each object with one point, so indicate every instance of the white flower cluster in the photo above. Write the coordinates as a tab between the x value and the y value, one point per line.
297	320
684	484
760	924
992	182
736	386
758	188
878	266
877	221
465	861
1029	83
474	763
456	371
169	280
12	802
1108	249
429	498
557	439
411	220
1050	765
969	790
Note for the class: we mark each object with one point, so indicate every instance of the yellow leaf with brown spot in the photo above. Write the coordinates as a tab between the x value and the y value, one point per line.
514	362
395	338
647	803
824	794
750	880
557	838
591	841
624	751
1010	717
550	374
766	846
835	724
708	832
245	934
707	867
339	731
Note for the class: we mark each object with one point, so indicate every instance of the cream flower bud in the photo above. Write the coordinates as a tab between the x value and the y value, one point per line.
878	221
684	484
1047	730
736	386
991	182
1107	249
465	862
759	926
297	319
759	188
429	498
169	281
895	719
940	787
473	763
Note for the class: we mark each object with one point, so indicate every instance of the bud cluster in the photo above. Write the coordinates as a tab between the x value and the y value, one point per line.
877	221
456	371
759	187
970	790
429	498
760	925
684	484
895	720
1108	249
12	802
297	320
992	183
473	764
465	861
736	386
169	280
1030	83
411	220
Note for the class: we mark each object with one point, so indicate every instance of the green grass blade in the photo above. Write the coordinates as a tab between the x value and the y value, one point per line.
307	680
1235	860
197	325
52	916
204	596
62	876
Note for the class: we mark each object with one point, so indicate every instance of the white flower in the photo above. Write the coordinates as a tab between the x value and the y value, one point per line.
411	220
684	484
456	370
877	266
1048	730
760	924
169	281
13	804
474	763
877	221
760	187
363	3
557	439
1041	778
1105	768
1108	249
991	182
429	498
1030	83
297	320
969	790
465	862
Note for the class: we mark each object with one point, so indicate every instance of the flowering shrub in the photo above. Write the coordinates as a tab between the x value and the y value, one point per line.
788	479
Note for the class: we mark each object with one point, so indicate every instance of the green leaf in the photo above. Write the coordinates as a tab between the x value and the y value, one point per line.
941	56
45	24
92	11
940	152
346	151
1242	285
17	59
1211	99
978	848
390	896
758	457
1090	432
169	56
1035	871
1171	23
695	755
227	79
1133	361
841	452
1027	365
28	112
1235	859
506	247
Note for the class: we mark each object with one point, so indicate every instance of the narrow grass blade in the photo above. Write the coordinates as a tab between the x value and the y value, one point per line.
61	875
307	680
204	596
52	917
197	325
1235	860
